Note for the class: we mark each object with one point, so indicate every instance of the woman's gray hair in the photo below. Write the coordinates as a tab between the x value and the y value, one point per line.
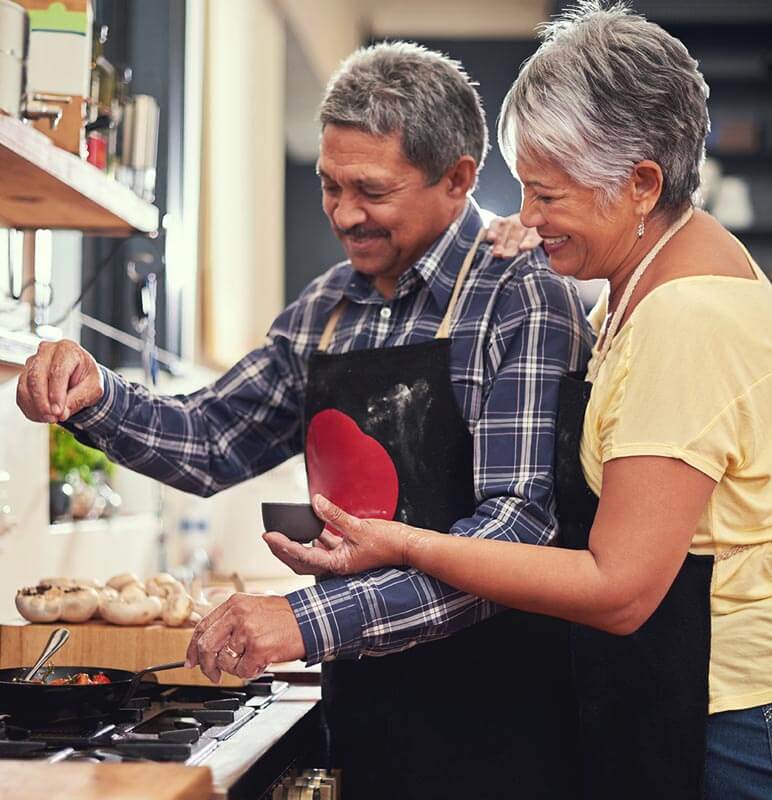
605	90
400	87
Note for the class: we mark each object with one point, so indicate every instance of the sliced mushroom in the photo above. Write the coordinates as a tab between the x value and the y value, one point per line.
42	603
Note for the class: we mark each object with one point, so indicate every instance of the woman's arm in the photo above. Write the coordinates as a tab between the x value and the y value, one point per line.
648	512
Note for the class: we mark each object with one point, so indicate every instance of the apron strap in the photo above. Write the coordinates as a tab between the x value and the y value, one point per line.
613	320
332	322
442	331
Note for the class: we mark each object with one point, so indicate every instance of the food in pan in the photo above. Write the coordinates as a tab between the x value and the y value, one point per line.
80	679
76	679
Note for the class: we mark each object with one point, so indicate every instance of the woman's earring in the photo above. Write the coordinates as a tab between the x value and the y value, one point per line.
641	228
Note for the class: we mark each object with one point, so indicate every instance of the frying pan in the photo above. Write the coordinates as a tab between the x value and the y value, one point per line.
38	703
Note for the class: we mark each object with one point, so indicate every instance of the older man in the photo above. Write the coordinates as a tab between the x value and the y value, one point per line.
421	378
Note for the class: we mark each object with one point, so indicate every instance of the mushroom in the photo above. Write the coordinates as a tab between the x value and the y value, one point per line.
78	603
65	582
105	593
58	582
130	607
119	582
177	604
42	603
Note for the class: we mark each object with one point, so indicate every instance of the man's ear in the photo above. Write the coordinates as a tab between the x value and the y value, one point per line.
646	185
460	177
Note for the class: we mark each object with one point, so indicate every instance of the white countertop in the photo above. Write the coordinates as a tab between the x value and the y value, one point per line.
235	756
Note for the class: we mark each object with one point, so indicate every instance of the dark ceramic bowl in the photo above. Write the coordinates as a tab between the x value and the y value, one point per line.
296	521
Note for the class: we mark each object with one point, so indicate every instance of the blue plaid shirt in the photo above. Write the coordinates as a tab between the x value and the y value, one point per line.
516	330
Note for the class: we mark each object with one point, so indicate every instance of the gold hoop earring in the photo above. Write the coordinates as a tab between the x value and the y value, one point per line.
641	229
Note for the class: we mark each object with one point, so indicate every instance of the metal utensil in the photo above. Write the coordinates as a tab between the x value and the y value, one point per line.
55	642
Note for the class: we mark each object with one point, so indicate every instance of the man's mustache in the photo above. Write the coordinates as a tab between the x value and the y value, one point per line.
362	232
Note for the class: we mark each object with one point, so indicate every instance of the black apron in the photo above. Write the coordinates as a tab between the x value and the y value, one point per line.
486	713
642	699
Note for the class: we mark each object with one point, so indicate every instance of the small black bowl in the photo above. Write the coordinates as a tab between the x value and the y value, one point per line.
296	521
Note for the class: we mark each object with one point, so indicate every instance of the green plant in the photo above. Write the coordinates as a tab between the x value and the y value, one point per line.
67	455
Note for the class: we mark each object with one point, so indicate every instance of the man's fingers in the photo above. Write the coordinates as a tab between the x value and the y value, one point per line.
63	370
37	385
77	398
191	656
24	399
251	663
211	642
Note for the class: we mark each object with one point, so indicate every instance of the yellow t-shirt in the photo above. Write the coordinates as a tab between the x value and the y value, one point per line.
689	376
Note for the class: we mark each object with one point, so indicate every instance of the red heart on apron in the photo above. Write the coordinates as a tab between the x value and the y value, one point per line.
350	468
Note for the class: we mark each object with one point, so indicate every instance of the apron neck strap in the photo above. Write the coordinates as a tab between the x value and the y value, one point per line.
442	331
616	319
332	322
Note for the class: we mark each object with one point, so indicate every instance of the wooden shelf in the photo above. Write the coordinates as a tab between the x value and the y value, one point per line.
43	186
16	347
121	524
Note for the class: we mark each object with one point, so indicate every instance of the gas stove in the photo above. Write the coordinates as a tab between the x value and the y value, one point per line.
249	736
161	723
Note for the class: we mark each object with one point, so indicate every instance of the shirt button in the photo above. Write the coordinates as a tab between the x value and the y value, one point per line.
385	312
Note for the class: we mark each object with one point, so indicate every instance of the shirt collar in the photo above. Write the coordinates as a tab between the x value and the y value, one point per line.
438	267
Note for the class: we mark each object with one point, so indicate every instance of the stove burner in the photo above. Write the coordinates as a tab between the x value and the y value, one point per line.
180	723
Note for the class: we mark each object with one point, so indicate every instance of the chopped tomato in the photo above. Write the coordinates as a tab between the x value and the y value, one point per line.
80	679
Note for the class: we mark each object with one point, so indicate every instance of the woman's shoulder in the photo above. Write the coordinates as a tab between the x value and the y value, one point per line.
711	325
716	303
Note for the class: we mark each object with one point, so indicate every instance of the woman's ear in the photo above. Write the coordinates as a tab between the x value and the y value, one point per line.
646	183
461	177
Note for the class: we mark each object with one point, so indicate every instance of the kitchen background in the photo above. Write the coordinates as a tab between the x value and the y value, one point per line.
206	109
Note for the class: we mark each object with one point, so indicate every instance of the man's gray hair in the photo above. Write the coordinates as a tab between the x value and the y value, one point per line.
605	90
400	87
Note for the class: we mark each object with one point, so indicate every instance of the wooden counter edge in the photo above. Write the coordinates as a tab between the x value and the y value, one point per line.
31	780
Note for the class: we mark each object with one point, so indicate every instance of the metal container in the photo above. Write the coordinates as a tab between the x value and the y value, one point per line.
14	45
139	146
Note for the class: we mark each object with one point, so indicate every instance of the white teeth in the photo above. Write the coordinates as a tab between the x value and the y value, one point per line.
555	239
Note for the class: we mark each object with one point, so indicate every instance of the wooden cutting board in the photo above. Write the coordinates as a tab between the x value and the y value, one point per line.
100	644
26	780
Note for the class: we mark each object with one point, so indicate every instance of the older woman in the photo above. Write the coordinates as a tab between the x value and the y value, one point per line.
664	468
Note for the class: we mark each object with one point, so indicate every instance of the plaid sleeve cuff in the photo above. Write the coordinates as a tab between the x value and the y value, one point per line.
104	417
330	618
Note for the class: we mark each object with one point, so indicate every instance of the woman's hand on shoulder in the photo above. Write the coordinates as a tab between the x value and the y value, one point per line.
510	237
349	545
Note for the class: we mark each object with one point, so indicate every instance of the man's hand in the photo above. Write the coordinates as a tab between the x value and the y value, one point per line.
243	635
509	237
59	380
365	544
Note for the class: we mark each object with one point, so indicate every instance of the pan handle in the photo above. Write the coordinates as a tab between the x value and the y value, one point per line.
158	668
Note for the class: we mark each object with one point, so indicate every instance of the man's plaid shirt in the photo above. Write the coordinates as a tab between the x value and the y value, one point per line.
517	328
